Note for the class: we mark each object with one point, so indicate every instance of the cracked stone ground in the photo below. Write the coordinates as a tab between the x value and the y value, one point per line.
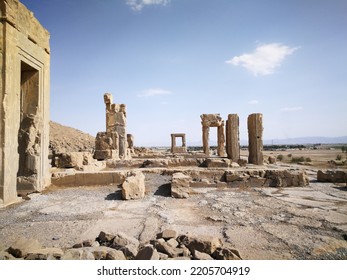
262	223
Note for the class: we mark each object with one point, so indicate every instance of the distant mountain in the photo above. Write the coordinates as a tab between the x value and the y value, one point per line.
308	140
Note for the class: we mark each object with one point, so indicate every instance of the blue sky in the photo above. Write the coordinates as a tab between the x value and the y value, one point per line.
172	60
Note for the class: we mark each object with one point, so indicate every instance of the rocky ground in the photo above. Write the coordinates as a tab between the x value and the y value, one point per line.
261	223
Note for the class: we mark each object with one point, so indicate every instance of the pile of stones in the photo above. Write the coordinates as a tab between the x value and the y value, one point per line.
167	245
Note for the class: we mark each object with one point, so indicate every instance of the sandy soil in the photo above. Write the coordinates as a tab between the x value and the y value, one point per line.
262	223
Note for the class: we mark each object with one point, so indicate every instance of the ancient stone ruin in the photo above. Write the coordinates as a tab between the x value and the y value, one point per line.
24	98
255	136
255	139
174	148
213	120
232	137
113	144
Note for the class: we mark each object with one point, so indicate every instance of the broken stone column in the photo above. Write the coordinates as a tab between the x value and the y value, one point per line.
232	137
115	137
255	139
205	139
221	140
120	125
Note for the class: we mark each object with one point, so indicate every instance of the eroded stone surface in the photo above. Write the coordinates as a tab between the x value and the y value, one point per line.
180	187
134	186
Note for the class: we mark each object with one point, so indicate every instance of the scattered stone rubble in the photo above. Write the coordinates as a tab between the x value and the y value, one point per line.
168	245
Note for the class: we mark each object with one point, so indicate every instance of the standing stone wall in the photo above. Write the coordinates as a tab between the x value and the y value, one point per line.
24	101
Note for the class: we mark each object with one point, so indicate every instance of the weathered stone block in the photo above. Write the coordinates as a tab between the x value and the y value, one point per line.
180	185
284	178
134	186
22	247
217	162
332	176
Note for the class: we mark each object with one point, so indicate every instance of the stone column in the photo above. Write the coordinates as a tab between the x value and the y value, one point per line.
205	140
184	144
255	139
173	142
232	137
221	141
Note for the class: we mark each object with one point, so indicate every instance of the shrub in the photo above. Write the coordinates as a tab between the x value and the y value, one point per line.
298	159
308	159
280	157
338	157
289	155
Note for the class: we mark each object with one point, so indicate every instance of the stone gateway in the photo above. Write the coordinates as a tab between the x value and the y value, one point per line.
24	98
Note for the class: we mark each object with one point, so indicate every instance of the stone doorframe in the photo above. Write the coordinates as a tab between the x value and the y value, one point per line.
174	148
213	120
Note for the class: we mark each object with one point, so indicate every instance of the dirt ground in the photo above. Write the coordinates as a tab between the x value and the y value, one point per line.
262	223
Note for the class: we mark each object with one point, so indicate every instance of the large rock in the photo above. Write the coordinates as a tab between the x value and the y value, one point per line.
203	244
226	254
106	253
134	186
201	256
128	245
22	247
78	254
147	253
180	185
167	248
105	239
332	176
45	254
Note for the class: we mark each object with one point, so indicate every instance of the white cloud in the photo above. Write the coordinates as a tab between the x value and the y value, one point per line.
154	92
264	60
292	109
253	102
138	5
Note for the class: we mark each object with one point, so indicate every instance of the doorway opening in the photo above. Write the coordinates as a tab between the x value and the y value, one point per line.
29	142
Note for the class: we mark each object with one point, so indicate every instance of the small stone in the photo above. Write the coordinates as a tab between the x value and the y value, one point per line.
167	234
201	256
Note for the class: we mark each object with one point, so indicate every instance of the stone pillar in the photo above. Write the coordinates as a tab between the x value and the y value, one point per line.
173	142
184	144
255	139
232	137
205	140
221	140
